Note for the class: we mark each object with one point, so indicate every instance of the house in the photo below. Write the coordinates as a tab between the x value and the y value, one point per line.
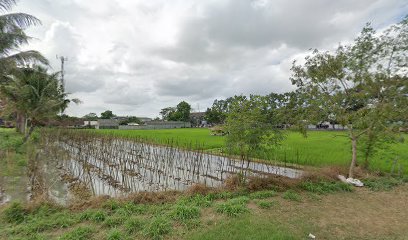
158	125
107	124
145	119
90	124
197	119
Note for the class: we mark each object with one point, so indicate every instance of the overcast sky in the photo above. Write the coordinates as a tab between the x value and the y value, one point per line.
136	57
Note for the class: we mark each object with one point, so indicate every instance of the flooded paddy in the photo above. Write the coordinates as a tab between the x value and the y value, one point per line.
74	165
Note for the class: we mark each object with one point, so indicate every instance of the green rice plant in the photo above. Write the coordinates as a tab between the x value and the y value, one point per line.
264	204
133	225
15	213
79	233
292	195
158	227
262	194
184	212
115	234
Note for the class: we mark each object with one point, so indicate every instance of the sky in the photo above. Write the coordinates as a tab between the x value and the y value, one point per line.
136	57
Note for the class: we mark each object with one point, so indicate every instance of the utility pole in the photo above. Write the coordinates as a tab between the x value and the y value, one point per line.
63	59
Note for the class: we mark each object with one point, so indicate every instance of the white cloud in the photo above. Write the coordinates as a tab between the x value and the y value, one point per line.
136	57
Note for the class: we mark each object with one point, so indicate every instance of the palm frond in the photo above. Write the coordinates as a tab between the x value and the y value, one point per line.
22	20
25	58
6	5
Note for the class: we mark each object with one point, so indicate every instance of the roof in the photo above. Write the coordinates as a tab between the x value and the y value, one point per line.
108	122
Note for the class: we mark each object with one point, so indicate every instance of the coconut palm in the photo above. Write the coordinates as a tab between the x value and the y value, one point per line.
35	95
12	36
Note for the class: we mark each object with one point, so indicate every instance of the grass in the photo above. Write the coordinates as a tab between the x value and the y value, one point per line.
320	148
228	215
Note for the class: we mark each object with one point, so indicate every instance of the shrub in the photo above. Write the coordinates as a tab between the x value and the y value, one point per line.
80	233
158	227
15	213
292	195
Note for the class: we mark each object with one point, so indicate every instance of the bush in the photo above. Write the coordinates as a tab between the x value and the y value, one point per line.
158	227
292	195
15	213
80	233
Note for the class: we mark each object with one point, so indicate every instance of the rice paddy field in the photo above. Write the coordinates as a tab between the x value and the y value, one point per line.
319	148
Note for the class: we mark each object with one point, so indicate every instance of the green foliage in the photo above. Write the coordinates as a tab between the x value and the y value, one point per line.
292	195
107	114
262	194
184	212
384	183
114	221
15	213
324	187
264	204
134	225
111	204
158	227
79	233
93	215
179	113
115	234
233	207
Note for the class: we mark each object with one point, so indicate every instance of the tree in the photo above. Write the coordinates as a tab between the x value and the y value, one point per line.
12	36
35	95
131	120
107	114
362	86
179	113
167	112
91	116
248	127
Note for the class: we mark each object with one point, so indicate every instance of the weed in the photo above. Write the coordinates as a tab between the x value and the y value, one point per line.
92	215
262	194
324	187
113	221
158	227
79	233
133	225
15	213
111	205
264	204
233	207
184	212
292	195
383	184
192	223
115	234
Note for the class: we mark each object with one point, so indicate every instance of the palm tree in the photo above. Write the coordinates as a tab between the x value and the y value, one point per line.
36	95
12	36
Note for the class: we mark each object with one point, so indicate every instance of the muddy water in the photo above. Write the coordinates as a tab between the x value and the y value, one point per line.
118	167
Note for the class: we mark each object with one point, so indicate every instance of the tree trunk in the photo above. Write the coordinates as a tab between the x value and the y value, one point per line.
28	134
354	156
20	123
